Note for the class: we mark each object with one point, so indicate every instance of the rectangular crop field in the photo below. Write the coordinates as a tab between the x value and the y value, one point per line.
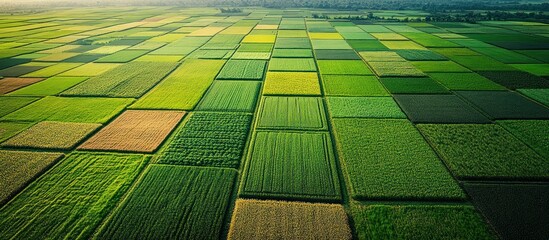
258	219
289	165
209	139
535	133
53	206
395	69
135	131
182	202
48	87
292	64
305	113
484	151
367	107
70	110
291	83
347	67
11	104
8	129
11	84
420	222
237	96
421	85
465	81
243	69
129	80
352	85
52	135
20	168
183	88
389	159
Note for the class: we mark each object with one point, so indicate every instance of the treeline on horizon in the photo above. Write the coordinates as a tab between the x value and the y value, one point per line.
425	5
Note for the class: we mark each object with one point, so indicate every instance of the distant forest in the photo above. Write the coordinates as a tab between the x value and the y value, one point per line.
439	10
426	5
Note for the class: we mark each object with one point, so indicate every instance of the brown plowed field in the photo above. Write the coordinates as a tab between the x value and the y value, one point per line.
10	84
135	131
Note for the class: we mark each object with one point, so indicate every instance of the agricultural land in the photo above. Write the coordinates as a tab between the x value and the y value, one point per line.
263	122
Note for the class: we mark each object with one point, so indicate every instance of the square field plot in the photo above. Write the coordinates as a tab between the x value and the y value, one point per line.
538	95
52	70
251	55
255	47
420	55
343	67
292	64
439	109
367	45
440	66
89	69
168	194
100	179
92	110
243	69
19	168
330	54
11	84
381	56
505	105
293	43
11	104
20	70
52	135
420	222
129	80
209	139
259	39
484	151
536	69
291	83
183	88
465	81
9	129
48	87
516	79
402	45
305	113
258	219
413	86
292	53
352	85
535	133
289	165
330	44
324	35
292	34
481	63
395	69
234	96
389	36
122	56
135	131
367	107
405	166
515	209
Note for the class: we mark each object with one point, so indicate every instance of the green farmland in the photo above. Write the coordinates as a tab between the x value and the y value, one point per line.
172	122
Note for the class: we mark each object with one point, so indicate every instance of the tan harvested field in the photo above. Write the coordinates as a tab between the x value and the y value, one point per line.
135	131
17	169
52	135
11	84
259	219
